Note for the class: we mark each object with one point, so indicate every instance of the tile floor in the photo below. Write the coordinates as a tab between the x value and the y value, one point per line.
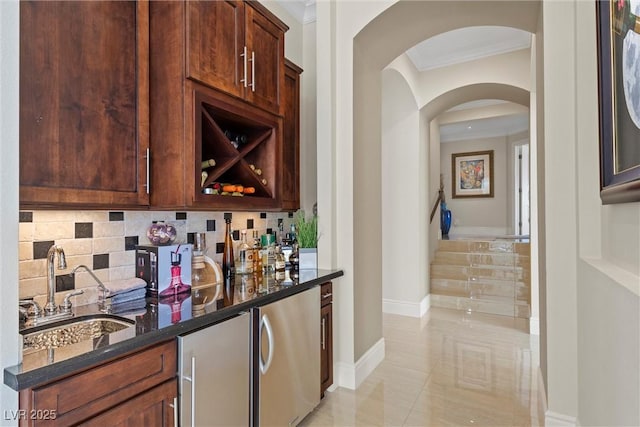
450	368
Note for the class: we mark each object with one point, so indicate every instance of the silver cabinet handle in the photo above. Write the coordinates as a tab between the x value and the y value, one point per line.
244	61
323	334
174	405
192	380
253	71
327	295
264	366
147	156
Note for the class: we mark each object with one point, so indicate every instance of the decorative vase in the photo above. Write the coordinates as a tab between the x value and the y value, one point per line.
445	219
308	258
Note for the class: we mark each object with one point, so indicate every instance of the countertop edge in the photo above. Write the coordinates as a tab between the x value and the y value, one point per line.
18	381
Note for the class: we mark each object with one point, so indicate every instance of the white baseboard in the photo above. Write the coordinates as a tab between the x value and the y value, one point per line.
534	326
351	375
407	308
554	419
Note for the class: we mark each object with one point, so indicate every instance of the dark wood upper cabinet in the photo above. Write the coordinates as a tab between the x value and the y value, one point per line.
265	55
237	47
84	117
198	99
215	31
291	138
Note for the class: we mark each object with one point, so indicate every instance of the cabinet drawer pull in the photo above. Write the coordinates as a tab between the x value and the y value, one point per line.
323	334
327	295
174	406
147	156
244	61
253	71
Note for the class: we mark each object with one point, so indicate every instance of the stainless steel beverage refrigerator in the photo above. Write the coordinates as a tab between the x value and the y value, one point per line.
286	359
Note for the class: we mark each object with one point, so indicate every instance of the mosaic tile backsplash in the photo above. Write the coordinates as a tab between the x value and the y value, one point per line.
105	242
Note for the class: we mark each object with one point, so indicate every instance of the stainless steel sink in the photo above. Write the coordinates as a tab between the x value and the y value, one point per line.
72	331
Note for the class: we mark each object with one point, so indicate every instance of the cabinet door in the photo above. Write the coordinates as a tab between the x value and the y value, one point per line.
156	407
326	348
291	138
215	43
84	118
265	48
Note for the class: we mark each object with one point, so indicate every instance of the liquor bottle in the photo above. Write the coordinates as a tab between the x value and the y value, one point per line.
279	263
244	262
294	257
257	253
623	19
268	253
228	262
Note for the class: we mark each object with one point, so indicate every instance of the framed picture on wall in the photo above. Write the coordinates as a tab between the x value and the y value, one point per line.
618	31
472	174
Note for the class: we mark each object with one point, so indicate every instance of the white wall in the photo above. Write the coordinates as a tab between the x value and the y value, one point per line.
560	237
9	118
487	216
300	48
608	288
403	271
308	127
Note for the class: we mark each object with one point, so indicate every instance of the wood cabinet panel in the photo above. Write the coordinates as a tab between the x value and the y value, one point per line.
291	138
84	118
191	127
151	408
265	45
326	338
79	397
215	43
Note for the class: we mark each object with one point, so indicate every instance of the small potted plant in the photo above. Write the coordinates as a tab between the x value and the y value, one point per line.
307	236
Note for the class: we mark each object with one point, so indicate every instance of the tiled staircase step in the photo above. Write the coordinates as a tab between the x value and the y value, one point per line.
463	272
468	258
494	246
496	290
481	306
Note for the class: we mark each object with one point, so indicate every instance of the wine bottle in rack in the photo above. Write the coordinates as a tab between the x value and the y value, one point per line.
236	139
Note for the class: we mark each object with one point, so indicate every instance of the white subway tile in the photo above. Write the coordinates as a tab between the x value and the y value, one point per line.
25	251
108	244
32	269
108	229
31	287
54	230
26	231
74	247
124	258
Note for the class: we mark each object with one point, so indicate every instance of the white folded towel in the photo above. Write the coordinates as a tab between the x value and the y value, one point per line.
116	287
128	296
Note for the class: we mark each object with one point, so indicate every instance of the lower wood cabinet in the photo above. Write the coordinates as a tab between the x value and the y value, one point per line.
135	389
151	408
326	337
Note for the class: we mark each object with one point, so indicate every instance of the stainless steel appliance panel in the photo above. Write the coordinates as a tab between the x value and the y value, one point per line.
289	359
214	367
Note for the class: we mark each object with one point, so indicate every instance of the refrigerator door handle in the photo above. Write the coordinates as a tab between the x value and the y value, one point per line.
192	380
264	322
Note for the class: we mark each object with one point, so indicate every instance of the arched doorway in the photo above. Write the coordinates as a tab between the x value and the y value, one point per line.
356	116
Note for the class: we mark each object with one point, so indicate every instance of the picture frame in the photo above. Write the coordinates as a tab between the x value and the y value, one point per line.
472	174
619	112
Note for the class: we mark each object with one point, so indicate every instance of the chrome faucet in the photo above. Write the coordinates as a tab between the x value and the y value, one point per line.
50	307
101	286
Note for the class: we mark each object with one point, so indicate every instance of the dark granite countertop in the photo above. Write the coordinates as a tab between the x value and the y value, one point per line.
157	321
